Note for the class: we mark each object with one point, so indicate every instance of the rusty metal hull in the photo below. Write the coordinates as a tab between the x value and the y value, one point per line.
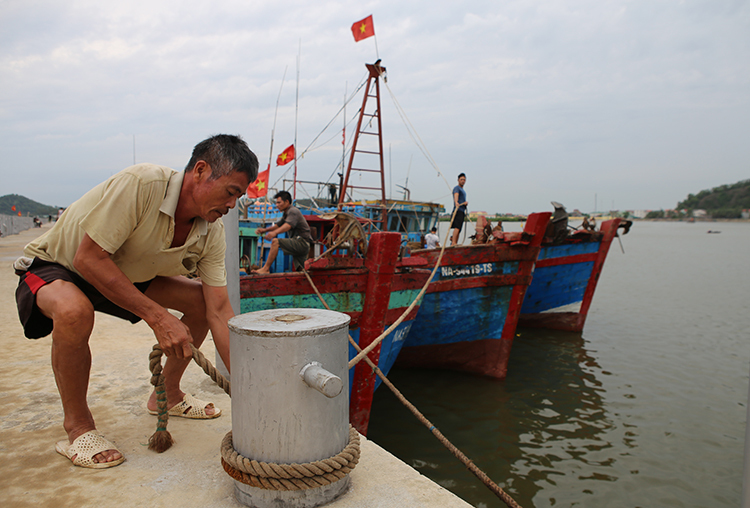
468	318
565	279
374	292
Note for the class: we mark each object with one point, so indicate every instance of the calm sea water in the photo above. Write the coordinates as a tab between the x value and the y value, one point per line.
645	408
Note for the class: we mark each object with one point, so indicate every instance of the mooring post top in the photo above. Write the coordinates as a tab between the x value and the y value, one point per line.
290	318
288	322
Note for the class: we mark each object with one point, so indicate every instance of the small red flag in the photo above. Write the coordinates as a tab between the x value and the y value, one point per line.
19	214
259	187
13	208
286	156
363	29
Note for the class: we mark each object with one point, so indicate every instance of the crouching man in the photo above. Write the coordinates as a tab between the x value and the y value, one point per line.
123	249
299	239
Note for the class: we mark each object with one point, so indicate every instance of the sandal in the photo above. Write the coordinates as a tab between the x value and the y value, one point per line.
190	407
84	447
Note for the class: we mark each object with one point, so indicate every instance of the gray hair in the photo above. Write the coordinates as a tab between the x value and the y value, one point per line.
226	154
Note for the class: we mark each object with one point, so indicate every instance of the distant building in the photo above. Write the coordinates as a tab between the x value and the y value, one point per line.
745	214
699	214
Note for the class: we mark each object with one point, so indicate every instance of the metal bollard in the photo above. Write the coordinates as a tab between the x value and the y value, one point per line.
281	359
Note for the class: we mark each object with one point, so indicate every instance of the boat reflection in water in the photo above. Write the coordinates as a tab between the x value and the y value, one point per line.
544	425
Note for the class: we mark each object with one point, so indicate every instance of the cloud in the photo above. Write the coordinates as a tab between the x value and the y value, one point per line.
536	101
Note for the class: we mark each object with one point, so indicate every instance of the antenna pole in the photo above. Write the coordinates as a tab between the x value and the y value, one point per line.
296	114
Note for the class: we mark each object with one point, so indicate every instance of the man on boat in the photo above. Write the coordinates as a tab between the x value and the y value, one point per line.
459	205
431	239
298	241
123	249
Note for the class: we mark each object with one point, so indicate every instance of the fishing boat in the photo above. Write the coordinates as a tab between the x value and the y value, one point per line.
374	291
357	266
468	318
567	272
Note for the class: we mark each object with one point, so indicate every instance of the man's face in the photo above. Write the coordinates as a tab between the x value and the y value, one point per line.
215	197
462	181
281	204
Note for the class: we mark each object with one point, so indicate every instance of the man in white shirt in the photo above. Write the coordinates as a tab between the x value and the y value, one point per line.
431	239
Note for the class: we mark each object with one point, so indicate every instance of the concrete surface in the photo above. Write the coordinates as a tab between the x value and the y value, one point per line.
187	475
12	224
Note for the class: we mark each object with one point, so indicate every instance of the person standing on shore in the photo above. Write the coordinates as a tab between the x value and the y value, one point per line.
459	205
123	249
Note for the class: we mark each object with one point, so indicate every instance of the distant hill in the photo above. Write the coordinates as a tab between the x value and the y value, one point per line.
24	205
725	201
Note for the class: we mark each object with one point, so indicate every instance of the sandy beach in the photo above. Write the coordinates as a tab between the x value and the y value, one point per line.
187	475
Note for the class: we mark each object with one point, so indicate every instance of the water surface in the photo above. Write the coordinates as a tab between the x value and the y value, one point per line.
645	408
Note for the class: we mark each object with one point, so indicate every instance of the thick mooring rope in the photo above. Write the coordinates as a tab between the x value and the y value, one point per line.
264	475
290	476
494	487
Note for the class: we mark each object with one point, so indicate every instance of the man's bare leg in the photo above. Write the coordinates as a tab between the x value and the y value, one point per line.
271	257
73	318
454	238
186	296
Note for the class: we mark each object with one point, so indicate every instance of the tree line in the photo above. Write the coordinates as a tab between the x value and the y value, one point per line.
722	202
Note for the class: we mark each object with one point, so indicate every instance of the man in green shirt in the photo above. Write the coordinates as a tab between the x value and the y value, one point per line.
122	249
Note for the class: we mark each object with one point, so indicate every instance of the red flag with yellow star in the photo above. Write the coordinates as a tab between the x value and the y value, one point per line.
363	29
259	187
286	156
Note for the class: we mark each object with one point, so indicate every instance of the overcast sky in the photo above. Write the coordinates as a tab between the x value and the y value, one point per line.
624	104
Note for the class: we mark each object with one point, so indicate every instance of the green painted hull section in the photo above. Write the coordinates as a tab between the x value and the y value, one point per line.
341	302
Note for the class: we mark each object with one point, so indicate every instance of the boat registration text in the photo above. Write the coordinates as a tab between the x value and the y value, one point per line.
466	270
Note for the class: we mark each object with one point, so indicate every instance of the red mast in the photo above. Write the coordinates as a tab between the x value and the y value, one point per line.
376	71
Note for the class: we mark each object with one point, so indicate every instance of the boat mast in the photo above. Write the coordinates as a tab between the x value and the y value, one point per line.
296	113
376	71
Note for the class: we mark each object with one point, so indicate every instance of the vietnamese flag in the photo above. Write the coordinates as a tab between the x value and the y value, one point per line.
286	156
13	208
259	187
363	29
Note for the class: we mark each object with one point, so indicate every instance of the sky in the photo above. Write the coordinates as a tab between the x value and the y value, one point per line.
599	105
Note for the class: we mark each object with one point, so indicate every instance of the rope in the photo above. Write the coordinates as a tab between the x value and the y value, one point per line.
290	476
263	475
362	354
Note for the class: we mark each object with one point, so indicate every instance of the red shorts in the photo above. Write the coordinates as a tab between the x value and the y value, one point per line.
37	325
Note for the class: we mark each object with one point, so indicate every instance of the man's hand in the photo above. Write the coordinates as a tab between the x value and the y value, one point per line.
270	235
97	267
173	336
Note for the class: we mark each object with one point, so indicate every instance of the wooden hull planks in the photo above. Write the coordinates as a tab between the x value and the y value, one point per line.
374	292
468	318
565	278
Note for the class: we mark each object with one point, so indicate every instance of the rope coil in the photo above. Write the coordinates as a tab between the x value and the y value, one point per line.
264	475
287	477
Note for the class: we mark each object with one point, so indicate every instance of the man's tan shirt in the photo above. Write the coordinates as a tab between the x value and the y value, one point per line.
131	215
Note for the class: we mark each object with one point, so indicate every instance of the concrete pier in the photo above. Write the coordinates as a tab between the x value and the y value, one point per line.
188	475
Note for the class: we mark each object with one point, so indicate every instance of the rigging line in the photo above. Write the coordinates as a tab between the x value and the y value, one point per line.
311	148
412	132
334	118
275	115
349	144
301	155
312	199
